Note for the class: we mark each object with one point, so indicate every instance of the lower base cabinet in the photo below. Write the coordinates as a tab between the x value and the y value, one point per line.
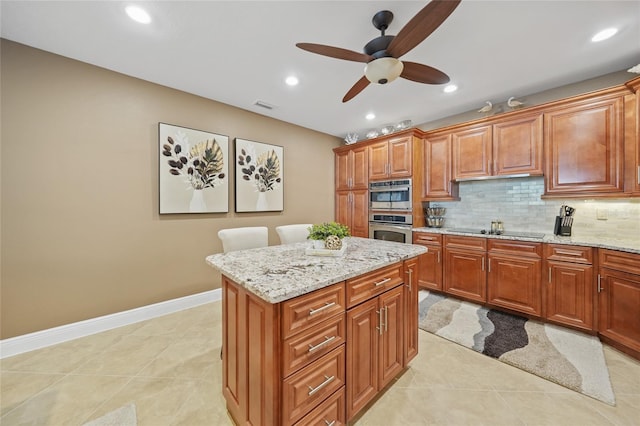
619	300
376	357
464	267
569	288
513	276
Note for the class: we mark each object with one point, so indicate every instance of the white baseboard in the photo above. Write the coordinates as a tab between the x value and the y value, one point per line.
40	339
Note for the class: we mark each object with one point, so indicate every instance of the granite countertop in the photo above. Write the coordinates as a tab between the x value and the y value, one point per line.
279	273
630	244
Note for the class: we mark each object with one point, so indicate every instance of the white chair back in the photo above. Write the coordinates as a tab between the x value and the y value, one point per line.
234	239
293	233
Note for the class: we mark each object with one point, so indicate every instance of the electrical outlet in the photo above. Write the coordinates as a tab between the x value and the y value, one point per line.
602	214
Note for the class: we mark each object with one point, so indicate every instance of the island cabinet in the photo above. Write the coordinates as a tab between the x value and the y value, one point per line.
320	357
375	334
437	182
513	275
273	380
430	263
619	300
584	152
569	285
391	158
464	267
412	272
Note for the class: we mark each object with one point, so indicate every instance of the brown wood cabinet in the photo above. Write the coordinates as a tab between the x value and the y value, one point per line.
259	385
464	267
517	146
429	263
436	167
584	147
619	300
352	168
513	275
391	158
569	285
411	270
632	138
509	146
352	209
471	148
376	327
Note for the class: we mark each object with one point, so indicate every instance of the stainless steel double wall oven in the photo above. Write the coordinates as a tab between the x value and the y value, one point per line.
390	216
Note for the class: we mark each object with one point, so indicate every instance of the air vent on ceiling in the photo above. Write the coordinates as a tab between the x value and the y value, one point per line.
263	104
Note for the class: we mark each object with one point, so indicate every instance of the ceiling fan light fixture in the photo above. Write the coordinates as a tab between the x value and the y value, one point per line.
383	70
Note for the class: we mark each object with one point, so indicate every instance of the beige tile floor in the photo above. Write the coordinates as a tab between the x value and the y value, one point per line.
170	368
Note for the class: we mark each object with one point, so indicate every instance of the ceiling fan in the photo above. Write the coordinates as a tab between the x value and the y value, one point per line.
381	54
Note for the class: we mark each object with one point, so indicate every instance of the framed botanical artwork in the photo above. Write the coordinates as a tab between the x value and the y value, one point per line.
259	176
193	168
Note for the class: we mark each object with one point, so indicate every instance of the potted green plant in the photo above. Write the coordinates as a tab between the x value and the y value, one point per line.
320	232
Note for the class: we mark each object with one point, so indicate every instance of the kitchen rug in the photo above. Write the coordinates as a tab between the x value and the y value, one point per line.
569	358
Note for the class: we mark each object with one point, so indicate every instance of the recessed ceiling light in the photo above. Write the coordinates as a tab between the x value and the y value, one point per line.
292	80
604	34
370	116
138	14
450	88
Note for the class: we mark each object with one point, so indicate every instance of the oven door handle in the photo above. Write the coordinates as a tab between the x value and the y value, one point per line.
387	225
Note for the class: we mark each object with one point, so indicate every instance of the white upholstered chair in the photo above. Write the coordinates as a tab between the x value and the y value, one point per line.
244	238
293	233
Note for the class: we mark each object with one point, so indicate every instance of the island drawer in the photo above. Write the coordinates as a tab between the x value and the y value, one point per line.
569	253
330	412
308	387
304	348
374	283
305	311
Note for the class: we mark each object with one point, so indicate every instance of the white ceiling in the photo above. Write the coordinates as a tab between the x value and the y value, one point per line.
238	52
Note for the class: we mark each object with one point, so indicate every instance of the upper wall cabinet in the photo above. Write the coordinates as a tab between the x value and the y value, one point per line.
632	138
351	168
436	167
511	146
584	143
391	158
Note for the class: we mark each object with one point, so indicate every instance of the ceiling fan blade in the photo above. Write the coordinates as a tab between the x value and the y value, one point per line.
423	73
335	52
357	88
420	26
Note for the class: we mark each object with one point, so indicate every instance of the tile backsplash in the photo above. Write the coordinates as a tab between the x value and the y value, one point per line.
517	202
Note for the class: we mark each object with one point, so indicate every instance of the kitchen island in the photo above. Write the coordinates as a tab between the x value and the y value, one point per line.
312	338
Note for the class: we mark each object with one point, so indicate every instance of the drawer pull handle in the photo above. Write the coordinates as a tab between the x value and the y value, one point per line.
321	344
380	321
410	284
326	306
321	385
382	282
328	423
386	318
